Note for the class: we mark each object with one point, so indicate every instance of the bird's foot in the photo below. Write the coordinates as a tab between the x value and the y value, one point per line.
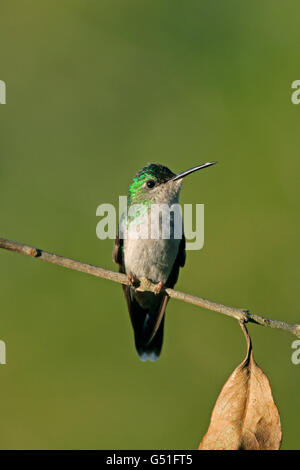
133	281
158	288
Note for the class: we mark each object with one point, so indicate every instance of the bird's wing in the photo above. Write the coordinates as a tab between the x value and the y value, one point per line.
172	279
179	263
118	253
118	258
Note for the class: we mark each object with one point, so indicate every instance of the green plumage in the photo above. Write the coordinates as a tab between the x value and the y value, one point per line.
158	173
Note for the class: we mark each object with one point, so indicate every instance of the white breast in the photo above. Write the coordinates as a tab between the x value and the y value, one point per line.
150	258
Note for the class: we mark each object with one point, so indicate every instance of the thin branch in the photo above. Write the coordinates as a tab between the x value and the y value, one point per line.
239	314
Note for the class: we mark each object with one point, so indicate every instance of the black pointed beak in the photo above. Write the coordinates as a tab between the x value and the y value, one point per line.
191	170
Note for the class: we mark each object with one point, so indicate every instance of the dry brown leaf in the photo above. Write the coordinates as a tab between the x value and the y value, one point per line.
245	416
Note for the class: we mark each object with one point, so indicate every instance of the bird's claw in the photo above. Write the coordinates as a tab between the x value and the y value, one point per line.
158	288
133	281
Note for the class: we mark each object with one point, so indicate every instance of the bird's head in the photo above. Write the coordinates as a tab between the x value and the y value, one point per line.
156	183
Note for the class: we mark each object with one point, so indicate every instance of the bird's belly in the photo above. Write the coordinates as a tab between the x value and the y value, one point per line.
149	258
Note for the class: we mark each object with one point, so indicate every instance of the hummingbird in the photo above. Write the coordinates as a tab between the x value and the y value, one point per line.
159	260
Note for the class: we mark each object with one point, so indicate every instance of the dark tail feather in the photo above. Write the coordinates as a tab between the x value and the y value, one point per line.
144	321
150	351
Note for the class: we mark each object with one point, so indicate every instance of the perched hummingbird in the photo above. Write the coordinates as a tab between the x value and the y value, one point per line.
158	260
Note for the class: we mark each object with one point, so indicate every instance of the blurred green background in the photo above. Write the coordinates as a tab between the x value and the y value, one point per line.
95	90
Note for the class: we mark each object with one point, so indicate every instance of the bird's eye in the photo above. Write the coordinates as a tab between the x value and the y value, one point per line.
150	184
